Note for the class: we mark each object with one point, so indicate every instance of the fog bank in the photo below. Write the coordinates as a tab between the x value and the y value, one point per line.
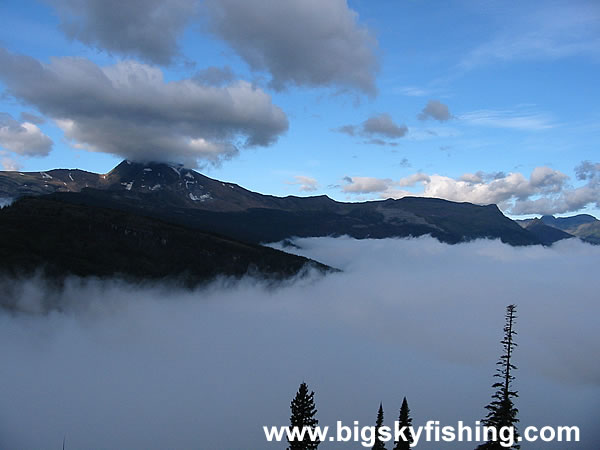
154	367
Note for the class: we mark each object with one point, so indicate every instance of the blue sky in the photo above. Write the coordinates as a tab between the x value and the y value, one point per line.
478	101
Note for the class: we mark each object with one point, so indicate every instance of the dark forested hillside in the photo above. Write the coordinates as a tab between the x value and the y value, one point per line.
64	238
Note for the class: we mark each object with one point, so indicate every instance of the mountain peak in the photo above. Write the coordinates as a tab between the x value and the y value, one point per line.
183	185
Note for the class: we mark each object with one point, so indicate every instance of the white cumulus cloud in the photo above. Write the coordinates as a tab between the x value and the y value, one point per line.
546	191
23	138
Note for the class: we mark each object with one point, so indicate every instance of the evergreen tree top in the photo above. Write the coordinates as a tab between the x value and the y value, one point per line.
501	410
404	420
303	415
379	444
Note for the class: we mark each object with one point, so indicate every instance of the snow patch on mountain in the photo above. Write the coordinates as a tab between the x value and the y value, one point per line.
202	198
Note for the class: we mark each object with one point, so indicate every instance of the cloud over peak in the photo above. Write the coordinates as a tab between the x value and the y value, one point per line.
128	109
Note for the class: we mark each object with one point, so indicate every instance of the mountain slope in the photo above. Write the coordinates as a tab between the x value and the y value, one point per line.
185	197
65	238
588	232
547	235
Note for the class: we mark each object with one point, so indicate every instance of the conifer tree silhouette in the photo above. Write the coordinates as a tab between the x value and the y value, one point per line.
303	415
501	410
379	444
404	421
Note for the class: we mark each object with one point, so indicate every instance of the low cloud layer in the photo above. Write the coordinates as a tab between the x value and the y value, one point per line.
546	191
298	42
435	110
147	29
379	129
154	367
128	109
23	138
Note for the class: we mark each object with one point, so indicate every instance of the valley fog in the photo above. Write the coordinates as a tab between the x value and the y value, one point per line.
117	365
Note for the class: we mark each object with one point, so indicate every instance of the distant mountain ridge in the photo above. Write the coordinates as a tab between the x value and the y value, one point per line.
584	226
186	197
182	196
545	233
568	223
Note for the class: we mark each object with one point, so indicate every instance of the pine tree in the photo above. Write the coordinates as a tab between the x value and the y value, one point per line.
404	421
303	415
501	410
379	444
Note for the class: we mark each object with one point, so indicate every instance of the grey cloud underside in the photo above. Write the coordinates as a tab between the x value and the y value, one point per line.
299	42
147	29
32	118
435	110
311	43
383	125
129	110
24	139
377	129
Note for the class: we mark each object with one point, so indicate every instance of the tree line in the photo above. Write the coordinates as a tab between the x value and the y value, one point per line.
501	411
